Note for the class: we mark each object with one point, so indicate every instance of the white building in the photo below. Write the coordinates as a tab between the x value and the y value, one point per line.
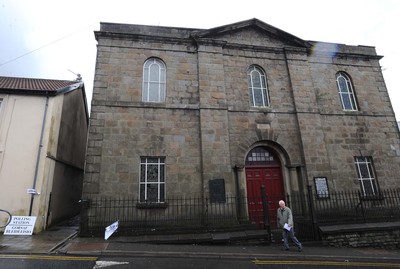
43	127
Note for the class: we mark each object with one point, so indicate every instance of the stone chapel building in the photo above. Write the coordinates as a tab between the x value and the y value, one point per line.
180	112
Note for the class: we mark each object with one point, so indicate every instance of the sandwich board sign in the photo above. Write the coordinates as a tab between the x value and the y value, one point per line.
20	225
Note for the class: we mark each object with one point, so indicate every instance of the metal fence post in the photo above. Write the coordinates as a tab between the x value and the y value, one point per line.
314	223
84	219
362	206
205	215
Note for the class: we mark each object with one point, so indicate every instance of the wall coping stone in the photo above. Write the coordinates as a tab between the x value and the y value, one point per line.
343	228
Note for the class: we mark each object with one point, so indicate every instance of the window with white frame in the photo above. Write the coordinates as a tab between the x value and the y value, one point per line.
346	92
152	180
154	81
366	175
258	89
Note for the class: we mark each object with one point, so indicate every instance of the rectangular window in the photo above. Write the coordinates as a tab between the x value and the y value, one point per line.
152	180
366	175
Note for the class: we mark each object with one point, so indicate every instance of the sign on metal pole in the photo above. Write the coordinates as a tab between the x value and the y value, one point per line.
20	225
111	229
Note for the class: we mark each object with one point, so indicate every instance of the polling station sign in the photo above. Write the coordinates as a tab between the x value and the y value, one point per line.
20	225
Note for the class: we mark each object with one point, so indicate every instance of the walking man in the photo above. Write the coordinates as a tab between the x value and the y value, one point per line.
285	221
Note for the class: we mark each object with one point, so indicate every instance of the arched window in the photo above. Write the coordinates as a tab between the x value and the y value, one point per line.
346	92
154	81
262	156
257	84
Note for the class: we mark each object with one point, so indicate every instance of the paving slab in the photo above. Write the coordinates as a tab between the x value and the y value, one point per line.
64	240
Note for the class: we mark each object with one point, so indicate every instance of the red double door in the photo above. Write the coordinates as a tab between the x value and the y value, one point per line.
271	178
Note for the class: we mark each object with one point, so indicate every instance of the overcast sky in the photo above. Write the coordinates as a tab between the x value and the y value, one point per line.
54	39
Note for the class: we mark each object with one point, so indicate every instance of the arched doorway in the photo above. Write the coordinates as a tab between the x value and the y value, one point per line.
263	168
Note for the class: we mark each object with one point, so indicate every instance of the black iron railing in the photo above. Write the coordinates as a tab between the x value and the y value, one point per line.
344	207
200	214
354	207
173	214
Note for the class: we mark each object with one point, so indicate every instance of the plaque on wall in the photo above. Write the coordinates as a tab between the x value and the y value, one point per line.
321	187
217	191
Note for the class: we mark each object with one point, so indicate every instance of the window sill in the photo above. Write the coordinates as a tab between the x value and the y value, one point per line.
372	197
152	104
347	111
151	205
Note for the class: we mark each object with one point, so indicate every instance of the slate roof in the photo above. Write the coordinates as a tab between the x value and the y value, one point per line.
36	86
179	35
111	29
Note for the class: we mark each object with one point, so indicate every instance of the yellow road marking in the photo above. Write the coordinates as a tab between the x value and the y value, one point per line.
331	263
49	257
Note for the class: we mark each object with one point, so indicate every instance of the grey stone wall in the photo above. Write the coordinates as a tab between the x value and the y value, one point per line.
206	125
378	239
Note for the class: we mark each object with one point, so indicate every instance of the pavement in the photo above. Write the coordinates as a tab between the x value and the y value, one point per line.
64	240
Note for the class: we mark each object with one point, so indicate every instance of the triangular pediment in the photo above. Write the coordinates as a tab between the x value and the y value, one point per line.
252	32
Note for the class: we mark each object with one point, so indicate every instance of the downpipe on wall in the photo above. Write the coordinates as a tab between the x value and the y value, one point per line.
38	155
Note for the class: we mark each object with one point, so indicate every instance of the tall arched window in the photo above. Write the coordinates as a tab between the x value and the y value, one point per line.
154	80
257	84
346	92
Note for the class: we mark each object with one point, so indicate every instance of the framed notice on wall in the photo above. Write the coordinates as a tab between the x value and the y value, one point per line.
321	187
217	191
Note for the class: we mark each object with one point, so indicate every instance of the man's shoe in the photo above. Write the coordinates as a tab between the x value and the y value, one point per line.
300	249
